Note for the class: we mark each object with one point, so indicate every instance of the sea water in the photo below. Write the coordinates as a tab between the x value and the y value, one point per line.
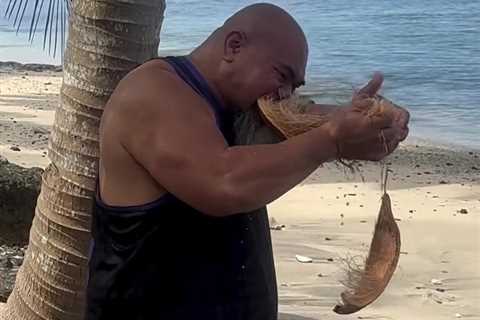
429	52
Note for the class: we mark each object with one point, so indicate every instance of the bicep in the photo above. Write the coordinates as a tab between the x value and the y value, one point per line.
181	147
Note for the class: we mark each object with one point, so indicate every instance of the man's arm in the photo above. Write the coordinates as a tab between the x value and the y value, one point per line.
175	138
173	135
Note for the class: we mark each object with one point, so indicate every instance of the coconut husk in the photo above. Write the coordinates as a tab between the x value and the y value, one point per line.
289	117
363	284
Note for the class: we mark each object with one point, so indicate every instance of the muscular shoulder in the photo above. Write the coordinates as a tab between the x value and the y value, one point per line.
153	85
151	95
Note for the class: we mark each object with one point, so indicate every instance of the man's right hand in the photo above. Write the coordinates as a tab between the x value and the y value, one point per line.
360	136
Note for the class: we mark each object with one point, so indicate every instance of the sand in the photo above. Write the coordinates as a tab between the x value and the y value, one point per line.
329	217
27	105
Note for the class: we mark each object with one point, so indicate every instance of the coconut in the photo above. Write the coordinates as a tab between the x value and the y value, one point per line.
364	284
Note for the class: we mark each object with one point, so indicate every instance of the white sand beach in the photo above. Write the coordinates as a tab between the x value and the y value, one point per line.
435	196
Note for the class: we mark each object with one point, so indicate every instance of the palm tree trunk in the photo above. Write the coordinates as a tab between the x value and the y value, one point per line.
106	40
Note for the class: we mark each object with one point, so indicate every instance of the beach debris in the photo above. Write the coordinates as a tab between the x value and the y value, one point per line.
10	260
463	211
436	282
449	164
320	275
440	297
440	289
15	148
328	239
458	315
443	182
303	259
39	130
274	225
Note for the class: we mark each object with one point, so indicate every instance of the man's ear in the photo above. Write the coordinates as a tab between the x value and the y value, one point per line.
234	41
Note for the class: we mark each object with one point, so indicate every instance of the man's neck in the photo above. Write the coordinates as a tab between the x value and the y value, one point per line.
209	72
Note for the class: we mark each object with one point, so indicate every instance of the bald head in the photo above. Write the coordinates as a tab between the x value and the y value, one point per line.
260	50
266	22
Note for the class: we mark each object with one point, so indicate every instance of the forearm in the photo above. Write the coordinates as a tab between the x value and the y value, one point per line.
323	109
262	173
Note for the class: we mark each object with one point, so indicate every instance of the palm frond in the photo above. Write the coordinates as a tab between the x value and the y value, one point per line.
55	15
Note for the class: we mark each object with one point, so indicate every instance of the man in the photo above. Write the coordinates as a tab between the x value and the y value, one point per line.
180	226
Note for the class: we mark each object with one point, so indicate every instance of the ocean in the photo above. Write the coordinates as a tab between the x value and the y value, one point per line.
429	52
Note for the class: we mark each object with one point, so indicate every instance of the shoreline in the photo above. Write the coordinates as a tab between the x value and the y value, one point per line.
10	67
35	67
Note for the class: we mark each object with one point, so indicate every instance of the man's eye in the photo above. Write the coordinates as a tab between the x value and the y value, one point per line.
282	75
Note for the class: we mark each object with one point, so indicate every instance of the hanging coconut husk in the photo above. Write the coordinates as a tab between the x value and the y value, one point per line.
364	284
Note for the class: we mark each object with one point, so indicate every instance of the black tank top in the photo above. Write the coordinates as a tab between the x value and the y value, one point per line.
166	260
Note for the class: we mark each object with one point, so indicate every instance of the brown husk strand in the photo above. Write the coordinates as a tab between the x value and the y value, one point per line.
289	117
363	284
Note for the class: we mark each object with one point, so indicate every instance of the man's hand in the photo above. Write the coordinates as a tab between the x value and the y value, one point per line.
362	137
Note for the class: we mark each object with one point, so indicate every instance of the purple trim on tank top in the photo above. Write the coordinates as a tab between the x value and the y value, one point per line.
165	198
